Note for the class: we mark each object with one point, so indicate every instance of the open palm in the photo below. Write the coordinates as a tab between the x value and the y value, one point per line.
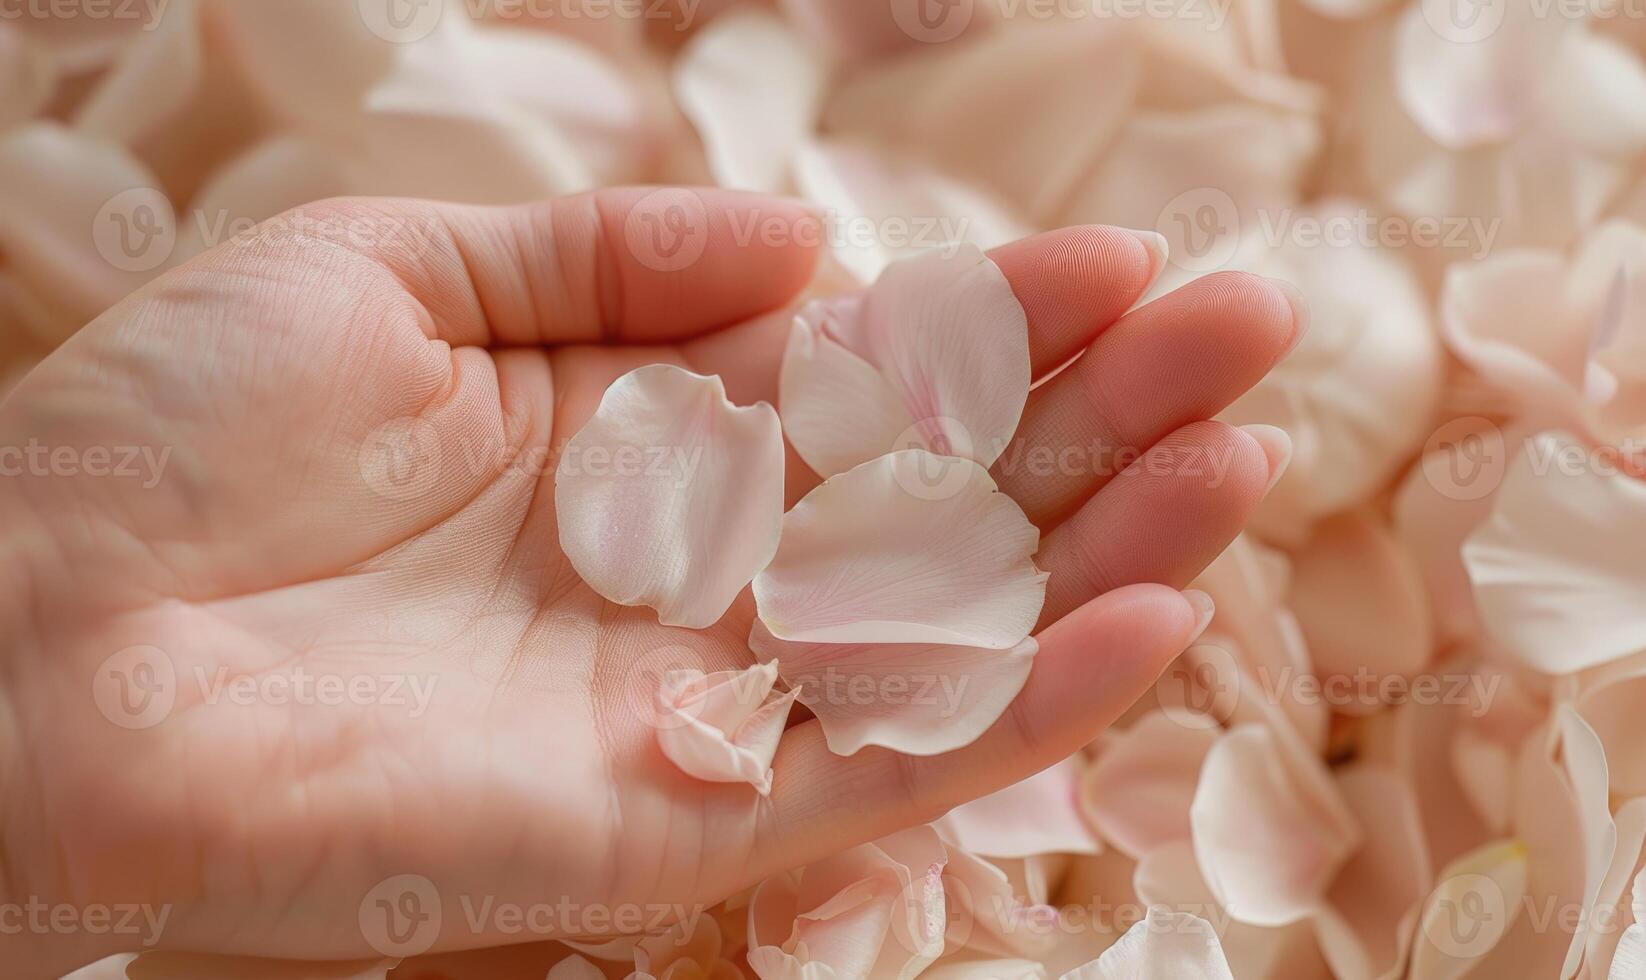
313	654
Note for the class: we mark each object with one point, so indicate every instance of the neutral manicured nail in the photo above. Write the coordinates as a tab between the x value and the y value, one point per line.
1277	445
1203	610
1155	242
1300	312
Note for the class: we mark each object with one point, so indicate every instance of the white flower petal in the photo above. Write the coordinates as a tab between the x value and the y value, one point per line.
1467	90
1554	586
880	554
861	186
1137	794
1269	839
1179	945
950	344
671	496
915	698
752	87
723	727
1470	911
1359	597
1035	816
71	207
1371	911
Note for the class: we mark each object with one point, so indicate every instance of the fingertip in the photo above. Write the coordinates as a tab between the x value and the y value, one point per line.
1073	282
1298	304
1146	625
687	259
1276	444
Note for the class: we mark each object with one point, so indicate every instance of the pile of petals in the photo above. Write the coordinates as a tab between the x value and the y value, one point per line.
906	560
1410	742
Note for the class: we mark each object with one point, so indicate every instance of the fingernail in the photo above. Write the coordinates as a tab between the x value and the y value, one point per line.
1156	245
1277	446
1203	610
1300	312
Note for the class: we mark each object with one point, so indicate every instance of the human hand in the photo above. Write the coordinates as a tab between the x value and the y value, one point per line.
350	450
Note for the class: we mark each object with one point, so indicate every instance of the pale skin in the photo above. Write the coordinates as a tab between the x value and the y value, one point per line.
485	727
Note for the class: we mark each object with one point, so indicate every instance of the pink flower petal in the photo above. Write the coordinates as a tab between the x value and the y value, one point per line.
28	76
1506	316
1268	836
1137	794
1371	910
937	350
863	187
1611	704
1360	600
1002	908
1179	945
880	555
1554	587
723	727
1469	912
872	911
753	88
1248	584
671	496
960	107
575	967
1474	84
914	698
82	221
1038	815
